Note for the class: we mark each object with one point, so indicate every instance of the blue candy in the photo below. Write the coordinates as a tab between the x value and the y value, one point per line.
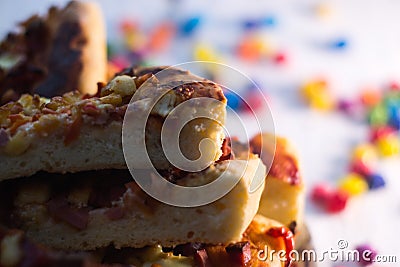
394	116
269	21
375	181
251	24
339	44
233	100
190	25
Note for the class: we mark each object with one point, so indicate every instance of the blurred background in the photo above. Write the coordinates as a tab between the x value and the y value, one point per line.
330	71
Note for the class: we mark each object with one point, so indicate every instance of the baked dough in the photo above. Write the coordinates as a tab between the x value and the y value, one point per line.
76	132
62	51
143	221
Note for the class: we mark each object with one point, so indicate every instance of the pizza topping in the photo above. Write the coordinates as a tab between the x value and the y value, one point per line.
188	249
239	253
60	209
123	85
288	239
102	196
201	259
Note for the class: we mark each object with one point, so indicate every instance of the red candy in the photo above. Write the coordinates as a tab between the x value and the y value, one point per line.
254	101
320	193
394	86
128	26
380	132
360	167
337	201
280	58
331	200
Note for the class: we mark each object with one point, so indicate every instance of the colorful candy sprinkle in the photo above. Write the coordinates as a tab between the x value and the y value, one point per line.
360	167
394	116
375	181
203	52
329	199
280	58
251	24
370	97
378	116
317	95
353	184
380	132
365	153
337	201
388	145
190	25
367	254
252	48
161	36
233	100
339	44
321	193
253	101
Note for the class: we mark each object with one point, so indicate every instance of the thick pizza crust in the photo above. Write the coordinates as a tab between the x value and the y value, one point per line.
222	221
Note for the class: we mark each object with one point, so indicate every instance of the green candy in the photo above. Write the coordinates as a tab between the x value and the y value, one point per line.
378	116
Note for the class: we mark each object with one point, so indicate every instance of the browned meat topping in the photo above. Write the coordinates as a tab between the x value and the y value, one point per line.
239	253
60	209
188	249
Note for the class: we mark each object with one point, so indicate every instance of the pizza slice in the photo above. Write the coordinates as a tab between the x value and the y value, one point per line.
52	54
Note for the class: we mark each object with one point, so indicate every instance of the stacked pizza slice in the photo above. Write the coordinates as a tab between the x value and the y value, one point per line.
66	186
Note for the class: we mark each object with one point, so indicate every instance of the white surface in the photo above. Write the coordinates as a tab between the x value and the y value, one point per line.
323	140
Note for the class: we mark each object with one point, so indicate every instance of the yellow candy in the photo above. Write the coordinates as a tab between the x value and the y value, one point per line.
322	101
323	10
353	184
135	40
388	146
204	53
317	95
313	88
365	153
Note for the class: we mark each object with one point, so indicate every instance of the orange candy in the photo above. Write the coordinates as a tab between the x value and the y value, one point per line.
251	49
371	97
161	35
